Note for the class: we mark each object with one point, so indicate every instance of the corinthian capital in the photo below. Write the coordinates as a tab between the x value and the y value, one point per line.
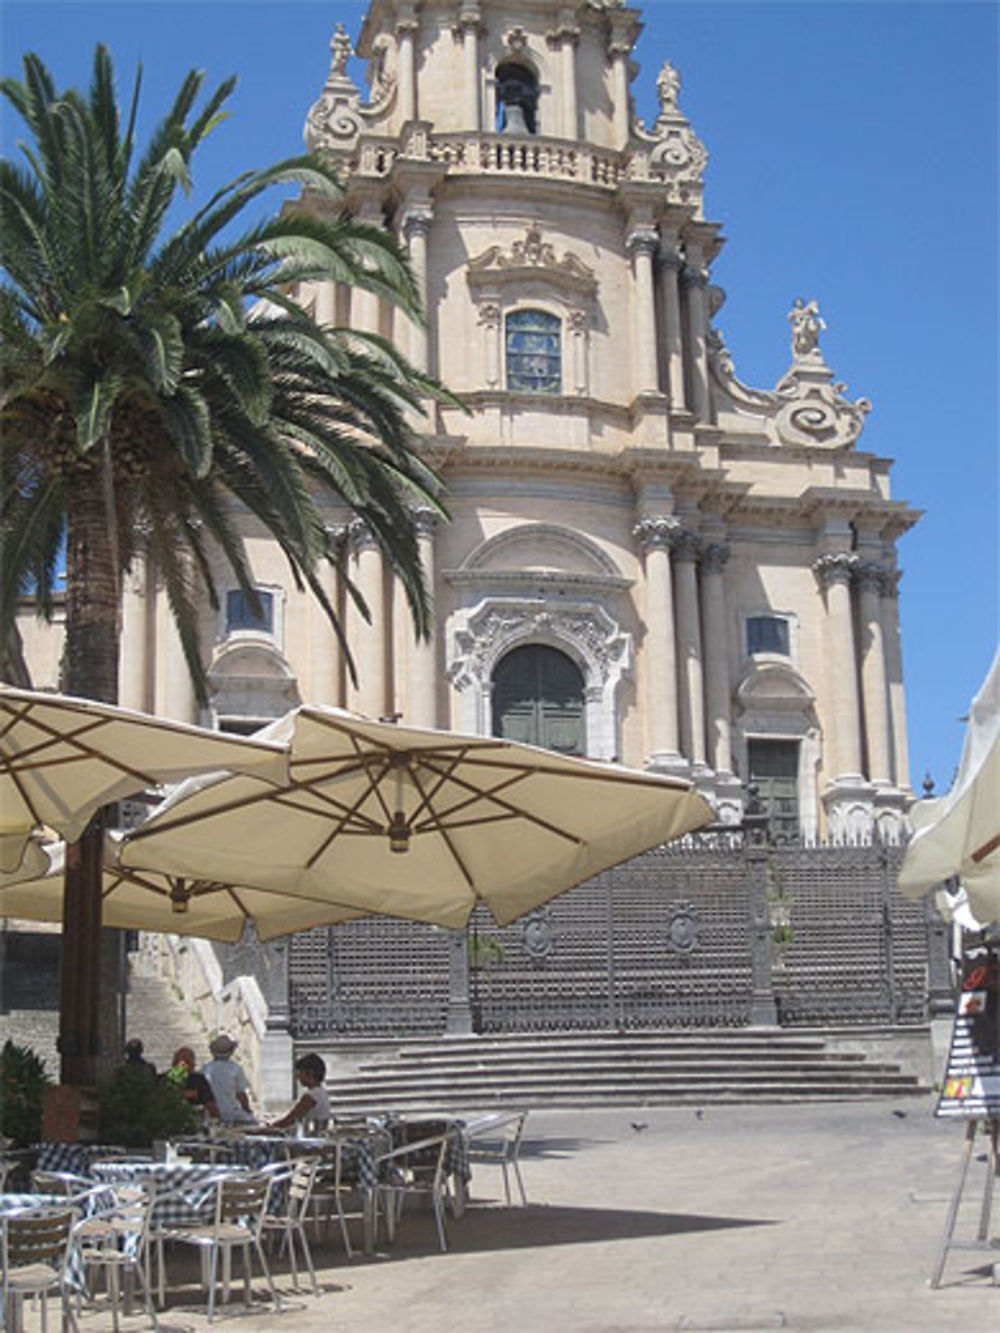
714	557
836	568
359	536
656	533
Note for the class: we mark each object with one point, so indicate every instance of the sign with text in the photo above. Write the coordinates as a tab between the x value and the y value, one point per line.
972	1078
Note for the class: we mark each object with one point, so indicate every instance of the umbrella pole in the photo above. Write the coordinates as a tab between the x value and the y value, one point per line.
80	968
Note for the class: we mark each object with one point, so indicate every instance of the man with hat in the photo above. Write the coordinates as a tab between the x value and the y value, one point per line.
228	1082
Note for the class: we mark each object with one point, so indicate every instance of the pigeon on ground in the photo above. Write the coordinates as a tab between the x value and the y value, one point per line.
639	1125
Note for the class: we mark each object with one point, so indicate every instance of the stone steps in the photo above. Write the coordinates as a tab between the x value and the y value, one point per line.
158	1017
644	1069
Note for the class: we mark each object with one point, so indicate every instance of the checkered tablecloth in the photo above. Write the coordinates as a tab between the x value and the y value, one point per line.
186	1183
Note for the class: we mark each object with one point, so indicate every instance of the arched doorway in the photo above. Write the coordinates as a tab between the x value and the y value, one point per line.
538	698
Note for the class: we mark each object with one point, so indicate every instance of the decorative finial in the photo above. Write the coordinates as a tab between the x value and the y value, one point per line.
928	785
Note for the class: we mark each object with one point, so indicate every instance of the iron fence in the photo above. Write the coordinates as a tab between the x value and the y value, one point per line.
725	930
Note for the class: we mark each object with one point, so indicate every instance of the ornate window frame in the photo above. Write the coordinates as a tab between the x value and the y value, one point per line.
787	713
532	276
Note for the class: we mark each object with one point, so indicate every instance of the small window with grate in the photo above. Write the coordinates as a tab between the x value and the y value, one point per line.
534	359
767	634
240	614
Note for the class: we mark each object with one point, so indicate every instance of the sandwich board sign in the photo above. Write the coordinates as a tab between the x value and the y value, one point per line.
971	1085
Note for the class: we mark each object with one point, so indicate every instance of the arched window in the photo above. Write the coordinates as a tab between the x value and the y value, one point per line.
538	698
534	354
517	99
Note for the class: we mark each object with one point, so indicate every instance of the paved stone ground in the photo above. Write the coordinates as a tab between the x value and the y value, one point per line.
742	1218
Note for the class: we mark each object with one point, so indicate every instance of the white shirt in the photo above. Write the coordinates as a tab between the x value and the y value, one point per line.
320	1109
227	1079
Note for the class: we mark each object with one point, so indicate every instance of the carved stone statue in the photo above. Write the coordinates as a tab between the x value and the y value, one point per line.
341	51
668	85
806	325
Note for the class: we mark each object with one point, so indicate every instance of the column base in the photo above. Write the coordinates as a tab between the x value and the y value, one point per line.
671	763
849	805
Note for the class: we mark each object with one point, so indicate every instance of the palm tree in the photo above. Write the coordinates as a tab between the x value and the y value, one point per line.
148	377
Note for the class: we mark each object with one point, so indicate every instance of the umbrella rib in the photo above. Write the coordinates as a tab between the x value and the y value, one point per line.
514	810
445	838
72	737
350	813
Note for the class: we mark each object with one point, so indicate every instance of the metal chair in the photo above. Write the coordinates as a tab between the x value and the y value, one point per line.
332	1189
240	1206
295	1185
35	1250
116	1241
417	1167
495	1140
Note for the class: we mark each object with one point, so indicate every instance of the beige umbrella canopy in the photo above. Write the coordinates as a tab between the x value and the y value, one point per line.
145	900
414	823
61	759
959	834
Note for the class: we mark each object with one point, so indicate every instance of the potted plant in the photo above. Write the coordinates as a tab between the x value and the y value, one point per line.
23	1081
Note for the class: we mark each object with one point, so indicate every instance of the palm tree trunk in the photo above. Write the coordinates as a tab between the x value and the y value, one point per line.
90	671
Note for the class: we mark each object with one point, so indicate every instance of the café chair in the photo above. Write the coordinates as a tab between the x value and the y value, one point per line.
495	1140
236	1222
416	1168
295	1186
35	1249
115	1240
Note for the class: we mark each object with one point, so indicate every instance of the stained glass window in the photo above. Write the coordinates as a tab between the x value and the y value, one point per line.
533	352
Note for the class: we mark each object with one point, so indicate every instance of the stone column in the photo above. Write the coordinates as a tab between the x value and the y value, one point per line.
469	24
567	34
670	265
326	656
713	605
656	536
366	639
174	690
326	304
135	673
689	645
619	51
365	304
406	28
642	243
416	228
894	675
422	710
874	686
842	725
694	280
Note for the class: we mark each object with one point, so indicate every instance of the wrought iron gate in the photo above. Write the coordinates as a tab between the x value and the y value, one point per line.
722	931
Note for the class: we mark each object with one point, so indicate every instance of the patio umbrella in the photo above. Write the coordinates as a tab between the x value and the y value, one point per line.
414	823
145	900
959	834
61	759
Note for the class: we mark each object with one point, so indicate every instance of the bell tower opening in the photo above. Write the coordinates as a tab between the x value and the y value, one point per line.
517	99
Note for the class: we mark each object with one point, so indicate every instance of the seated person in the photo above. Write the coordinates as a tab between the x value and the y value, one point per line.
193	1086
314	1104
134	1058
228	1082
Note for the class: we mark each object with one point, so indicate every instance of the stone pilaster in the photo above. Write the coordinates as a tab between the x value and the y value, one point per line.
366	638
642	243
406	29
326	656
717	706
423	674
135	674
656	537
894	676
693	281
874	686
564	39
619	52
174	695
469	25
670	266
417	221
689	647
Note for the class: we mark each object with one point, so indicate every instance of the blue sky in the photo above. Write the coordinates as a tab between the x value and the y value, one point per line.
853	158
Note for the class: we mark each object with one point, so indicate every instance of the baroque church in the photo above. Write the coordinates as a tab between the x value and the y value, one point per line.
646	560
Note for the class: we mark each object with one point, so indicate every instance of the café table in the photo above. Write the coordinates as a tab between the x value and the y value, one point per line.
19	1203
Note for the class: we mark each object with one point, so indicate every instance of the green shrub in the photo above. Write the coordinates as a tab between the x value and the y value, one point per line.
23	1081
137	1107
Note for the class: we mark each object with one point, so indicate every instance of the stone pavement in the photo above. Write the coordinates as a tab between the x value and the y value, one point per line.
807	1217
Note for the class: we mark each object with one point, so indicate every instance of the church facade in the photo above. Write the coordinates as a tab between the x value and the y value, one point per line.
645	559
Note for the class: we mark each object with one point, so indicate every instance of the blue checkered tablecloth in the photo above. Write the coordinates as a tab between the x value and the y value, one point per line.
17	1203
186	1183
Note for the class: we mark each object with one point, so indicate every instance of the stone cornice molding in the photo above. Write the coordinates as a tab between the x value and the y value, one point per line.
554	580
552	534
531	257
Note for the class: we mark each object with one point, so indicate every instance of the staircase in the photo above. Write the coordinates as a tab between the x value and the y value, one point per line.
155	1014
592	1069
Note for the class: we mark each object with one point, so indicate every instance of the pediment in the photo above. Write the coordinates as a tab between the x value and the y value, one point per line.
774	686
540	548
531	259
